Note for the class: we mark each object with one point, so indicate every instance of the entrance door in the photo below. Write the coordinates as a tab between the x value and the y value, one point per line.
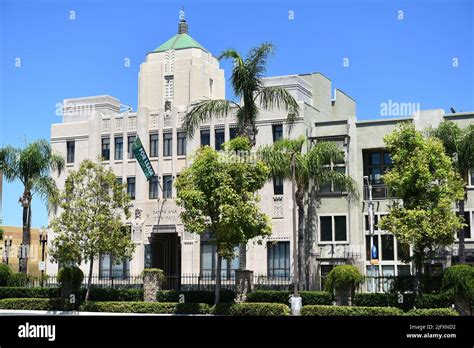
166	255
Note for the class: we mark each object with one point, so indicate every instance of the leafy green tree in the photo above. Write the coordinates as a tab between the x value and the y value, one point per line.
218	194
32	166
312	170
459	144
246	80
93	208
426	185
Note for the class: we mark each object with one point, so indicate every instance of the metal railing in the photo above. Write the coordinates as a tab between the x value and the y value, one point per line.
379	192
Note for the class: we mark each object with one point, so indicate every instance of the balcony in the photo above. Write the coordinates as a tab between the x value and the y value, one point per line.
379	192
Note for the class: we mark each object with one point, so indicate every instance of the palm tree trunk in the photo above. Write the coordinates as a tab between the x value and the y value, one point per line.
301	248
462	254
26	204
89	281
218	279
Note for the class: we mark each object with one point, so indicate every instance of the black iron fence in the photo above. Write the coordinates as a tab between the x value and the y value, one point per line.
183	282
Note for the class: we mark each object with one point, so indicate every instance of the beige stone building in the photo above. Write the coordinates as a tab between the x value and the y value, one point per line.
181	72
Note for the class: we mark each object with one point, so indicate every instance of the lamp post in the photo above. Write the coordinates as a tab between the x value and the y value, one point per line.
43	239
8	245
371	230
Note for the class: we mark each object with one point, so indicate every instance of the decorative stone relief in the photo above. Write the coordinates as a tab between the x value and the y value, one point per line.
137	224
277	206
132	123
119	125
169	62
154	121
106	126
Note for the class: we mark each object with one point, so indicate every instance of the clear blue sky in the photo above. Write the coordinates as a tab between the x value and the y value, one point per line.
407	60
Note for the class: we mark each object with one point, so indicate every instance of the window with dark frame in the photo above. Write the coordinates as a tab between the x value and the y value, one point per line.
277	186
376	164
131	187
232	133
333	228
105	149
467	227
153	188
278	259
181	143
209	262
167	144
167	186
131	139
219	138
71	149
277	131
205	137
118	148
340	167
108	269
154	145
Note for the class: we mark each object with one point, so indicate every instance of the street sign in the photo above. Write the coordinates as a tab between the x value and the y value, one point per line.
142	158
374	261
42	266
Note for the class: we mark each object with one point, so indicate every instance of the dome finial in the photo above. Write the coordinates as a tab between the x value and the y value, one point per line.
182	26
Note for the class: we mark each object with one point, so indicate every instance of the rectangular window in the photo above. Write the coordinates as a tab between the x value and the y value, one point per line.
232	133
167	186
467	221
277	186
403	250
181	143
71	149
131	139
209	262
205	137
169	86
108	269
153	145
333	228
376	163
472	176
153	188
388	252
211	85
278	259
277	130
118	148
131	187
105	149
326	228
403	270
167	144
324	271
118	180
218	138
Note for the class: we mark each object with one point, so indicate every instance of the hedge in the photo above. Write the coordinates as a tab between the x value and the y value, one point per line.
384	300
275	296
194	296
251	309
320	310
45	304
146	307
108	294
442	300
17	292
433	312
5	274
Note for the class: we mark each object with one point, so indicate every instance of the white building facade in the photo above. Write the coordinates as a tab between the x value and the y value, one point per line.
181	72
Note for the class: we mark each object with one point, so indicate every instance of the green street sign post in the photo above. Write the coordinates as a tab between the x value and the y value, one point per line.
142	158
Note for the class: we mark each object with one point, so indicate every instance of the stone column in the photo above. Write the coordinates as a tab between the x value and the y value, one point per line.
152	279
243	284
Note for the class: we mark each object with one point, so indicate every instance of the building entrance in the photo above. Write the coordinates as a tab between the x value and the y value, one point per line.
166	255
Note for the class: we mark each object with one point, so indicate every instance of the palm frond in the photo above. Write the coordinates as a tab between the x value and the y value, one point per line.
257	59
204	111
45	188
10	163
278	97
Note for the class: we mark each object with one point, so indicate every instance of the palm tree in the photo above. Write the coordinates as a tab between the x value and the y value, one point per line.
459	144
248	85
32	166
313	169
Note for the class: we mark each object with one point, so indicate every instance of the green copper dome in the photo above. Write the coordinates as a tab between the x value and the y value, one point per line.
179	42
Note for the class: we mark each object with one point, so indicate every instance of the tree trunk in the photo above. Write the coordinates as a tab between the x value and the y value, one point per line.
89	281
218	279
26	204
301	249
242	256
462	254
418	271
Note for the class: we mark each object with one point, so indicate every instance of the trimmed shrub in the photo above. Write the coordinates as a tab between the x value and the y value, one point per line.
433	312
19	280
275	296
460	280
17	292
45	304
107	294
442	300
252	309
146	307
194	296
343	276
72	274
384	300
349	311
5	274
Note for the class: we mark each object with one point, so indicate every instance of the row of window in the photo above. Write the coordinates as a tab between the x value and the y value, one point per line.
167	186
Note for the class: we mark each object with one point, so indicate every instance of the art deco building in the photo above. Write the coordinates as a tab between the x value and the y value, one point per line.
181	72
